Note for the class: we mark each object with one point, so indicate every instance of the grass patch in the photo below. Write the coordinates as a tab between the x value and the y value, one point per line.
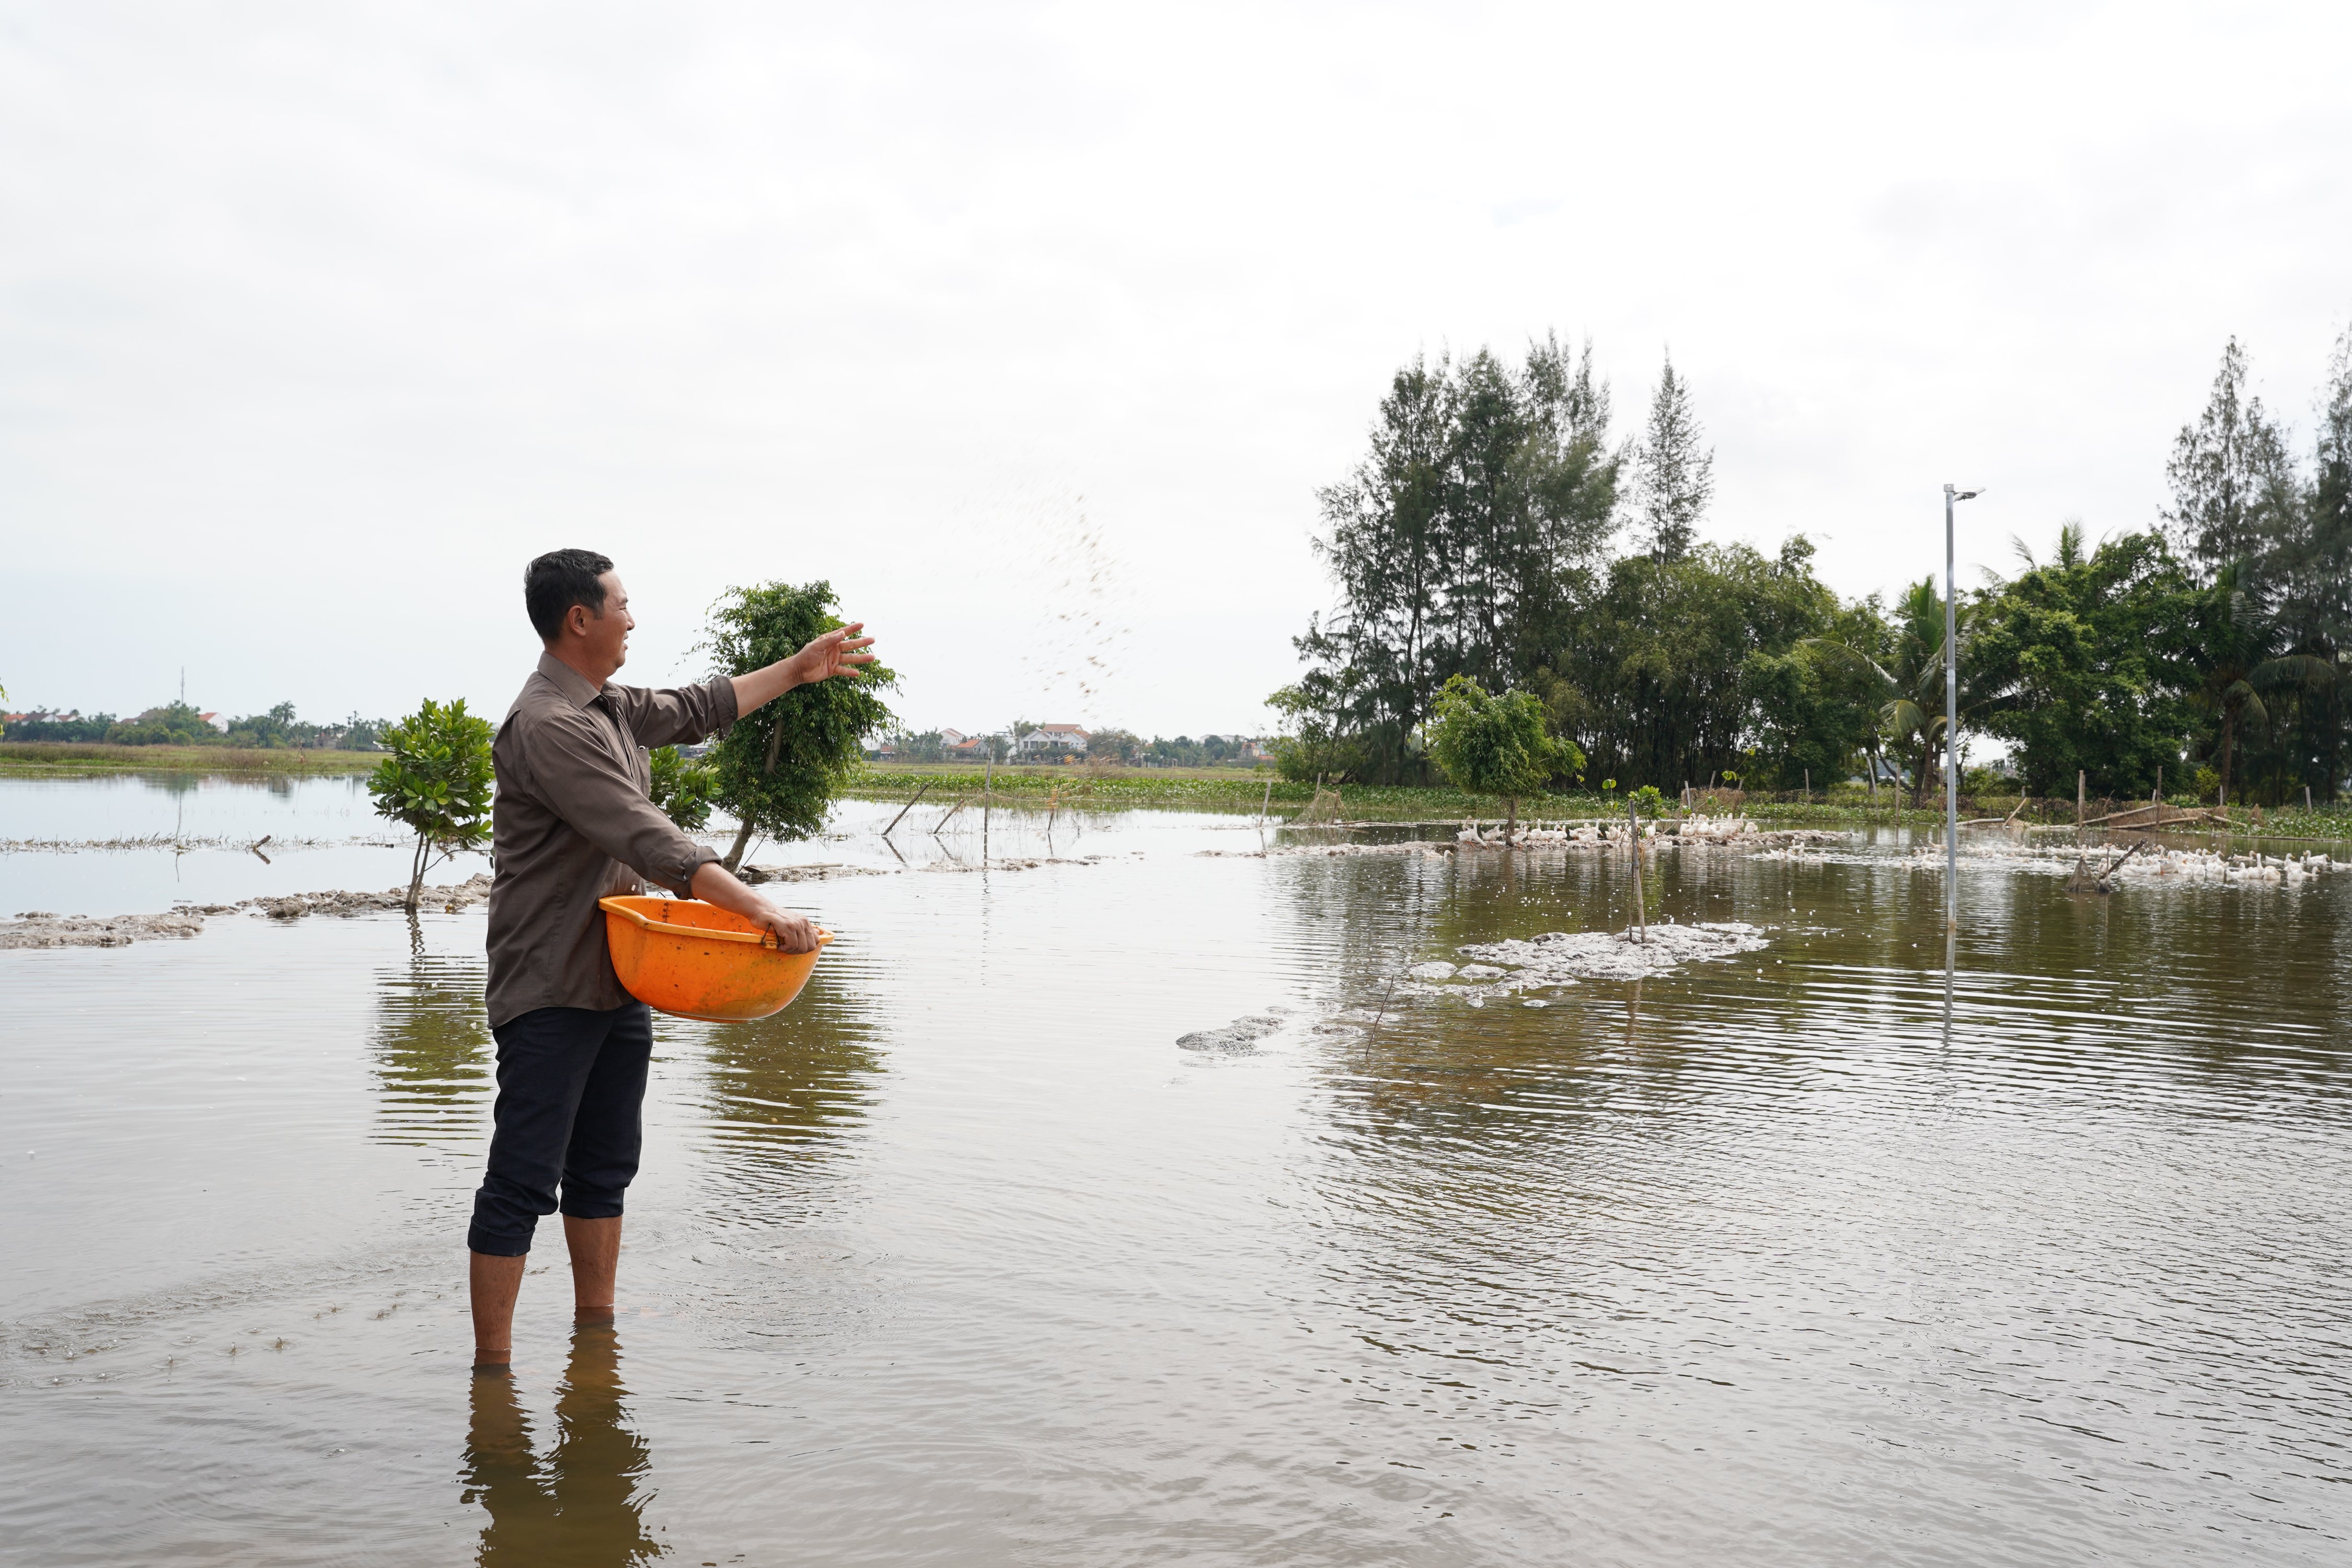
1227	789
1232	790
84	757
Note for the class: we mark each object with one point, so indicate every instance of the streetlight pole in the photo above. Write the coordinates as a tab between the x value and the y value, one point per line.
1952	717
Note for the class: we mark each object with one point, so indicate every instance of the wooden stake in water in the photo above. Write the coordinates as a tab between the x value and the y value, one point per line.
2080	788
908	808
987	796
1640	920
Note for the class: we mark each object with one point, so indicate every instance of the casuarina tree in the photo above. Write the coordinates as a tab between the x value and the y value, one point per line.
1674	477
1497	745
435	784
778	769
2230	474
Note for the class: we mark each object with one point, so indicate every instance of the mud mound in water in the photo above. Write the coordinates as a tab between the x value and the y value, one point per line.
448	901
821	871
1564	958
37	928
1239	1037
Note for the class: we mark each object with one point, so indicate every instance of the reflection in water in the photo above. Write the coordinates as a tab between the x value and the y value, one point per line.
431	1050
1639	1208
780	1087
789	1080
1951	966
585	1505
1767	1265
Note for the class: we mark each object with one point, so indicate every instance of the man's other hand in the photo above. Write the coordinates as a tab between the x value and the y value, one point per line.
794	934
714	884
838	652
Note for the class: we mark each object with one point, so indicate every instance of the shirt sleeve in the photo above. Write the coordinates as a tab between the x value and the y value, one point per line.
577	774
684	713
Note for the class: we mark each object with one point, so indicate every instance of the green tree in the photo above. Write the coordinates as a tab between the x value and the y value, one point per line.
1649	680
2231	476
778	769
171	725
930	746
1812	713
1907	680
1497	745
435	783
1312	746
1113	745
1673	477
2305	576
1458	545
681	788
2091	648
2238	656
273	731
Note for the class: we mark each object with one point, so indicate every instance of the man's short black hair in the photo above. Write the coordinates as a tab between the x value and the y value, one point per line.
558	580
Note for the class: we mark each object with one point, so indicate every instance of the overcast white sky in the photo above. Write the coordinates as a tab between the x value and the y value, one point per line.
318	320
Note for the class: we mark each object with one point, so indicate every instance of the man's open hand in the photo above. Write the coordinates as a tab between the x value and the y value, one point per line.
838	652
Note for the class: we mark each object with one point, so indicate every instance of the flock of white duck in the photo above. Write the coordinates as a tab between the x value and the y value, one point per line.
2151	864
2213	865
1691	830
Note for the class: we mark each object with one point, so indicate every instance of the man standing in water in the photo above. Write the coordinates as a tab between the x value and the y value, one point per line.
574	822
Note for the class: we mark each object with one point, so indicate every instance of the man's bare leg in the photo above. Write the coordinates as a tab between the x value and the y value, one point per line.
494	1282
595	1247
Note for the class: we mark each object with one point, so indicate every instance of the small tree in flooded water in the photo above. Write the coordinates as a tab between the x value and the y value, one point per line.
777	770
1497	745
681	788
436	782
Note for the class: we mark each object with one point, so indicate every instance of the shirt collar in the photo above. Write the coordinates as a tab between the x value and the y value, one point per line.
568	681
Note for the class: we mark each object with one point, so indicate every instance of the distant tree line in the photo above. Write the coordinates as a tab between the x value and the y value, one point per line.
1109	744
178	725
1497	531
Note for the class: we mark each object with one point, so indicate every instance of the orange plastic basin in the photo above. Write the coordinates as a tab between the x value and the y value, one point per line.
699	961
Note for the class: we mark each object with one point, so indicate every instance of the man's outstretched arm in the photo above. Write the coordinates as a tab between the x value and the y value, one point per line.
838	652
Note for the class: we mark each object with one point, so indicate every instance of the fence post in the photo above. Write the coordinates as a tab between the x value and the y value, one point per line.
1640	920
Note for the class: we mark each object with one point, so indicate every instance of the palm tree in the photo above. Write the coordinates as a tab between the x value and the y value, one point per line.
2239	655
2071	551
1910	684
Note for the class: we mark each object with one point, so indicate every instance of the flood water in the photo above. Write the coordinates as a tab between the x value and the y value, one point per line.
962	1260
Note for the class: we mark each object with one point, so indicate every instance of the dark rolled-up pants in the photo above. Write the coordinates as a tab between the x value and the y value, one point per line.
570	1115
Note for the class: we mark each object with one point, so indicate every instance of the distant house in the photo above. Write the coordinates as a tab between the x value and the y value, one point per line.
954	739
217	721
885	750
1051	742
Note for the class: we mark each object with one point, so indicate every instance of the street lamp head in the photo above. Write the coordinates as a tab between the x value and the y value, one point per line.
1962	495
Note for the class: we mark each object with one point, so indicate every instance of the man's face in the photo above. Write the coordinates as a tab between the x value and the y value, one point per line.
606	636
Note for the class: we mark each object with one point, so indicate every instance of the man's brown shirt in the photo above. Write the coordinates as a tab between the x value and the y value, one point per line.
575	821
